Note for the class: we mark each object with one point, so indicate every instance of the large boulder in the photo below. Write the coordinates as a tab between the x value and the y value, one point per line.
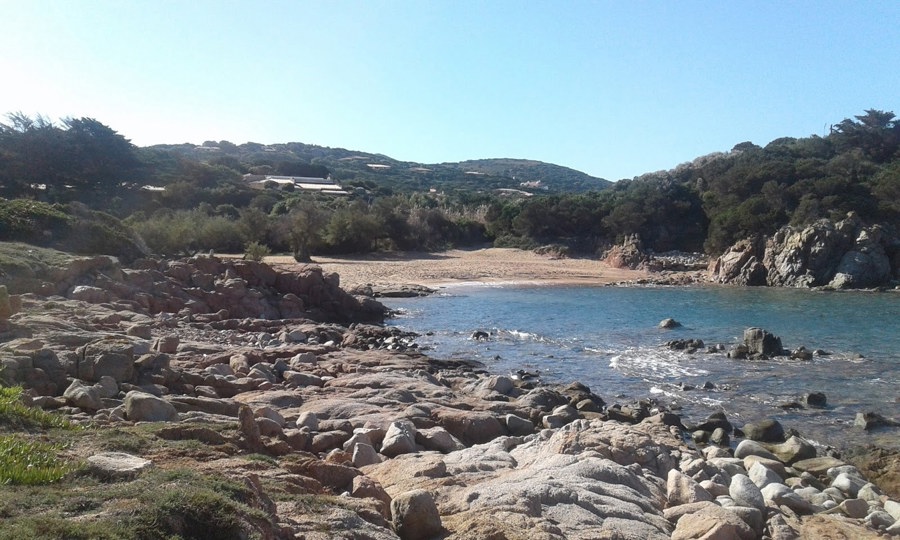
106	357
415	516
760	343
143	407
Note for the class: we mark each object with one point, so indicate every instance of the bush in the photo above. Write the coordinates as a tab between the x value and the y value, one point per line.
256	251
31	221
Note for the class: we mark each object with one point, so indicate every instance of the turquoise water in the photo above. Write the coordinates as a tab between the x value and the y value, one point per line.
607	338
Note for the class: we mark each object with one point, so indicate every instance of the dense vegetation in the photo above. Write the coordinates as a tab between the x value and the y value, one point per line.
71	184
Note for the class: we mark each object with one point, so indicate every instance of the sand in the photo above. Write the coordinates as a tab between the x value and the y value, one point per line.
460	267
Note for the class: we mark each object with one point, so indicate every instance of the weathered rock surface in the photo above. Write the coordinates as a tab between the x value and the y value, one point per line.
845	254
363	436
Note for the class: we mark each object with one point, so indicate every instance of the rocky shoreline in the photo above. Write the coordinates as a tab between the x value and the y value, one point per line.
363	436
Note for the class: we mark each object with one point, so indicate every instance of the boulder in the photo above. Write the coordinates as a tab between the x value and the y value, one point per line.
768	430
143	407
816	399
117	466
106	357
713	522
669	324
762	476
400	438
872	420
470	427
761	343
745	493
414	515
83	396
792	450
682	489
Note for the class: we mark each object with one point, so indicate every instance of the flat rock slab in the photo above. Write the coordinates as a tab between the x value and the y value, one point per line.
117	465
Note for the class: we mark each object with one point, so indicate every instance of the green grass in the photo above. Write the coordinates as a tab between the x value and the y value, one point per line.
27	462
16	415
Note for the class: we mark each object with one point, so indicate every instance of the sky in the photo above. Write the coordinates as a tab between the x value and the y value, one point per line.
614	89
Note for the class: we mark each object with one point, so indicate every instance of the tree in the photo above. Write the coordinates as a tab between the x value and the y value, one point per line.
303	229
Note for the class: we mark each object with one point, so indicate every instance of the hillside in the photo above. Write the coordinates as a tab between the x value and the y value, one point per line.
554	177
385	174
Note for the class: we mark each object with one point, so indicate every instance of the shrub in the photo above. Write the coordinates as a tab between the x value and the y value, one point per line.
256	251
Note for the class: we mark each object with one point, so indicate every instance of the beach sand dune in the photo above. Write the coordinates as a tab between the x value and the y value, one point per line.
489	265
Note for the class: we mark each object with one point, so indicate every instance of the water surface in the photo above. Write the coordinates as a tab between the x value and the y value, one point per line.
608	338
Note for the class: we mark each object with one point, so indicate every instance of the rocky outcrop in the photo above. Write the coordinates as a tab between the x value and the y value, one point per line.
205	288
361	435
629	254
740	264
841	255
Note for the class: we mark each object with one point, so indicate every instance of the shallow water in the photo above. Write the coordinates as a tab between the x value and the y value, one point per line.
607	338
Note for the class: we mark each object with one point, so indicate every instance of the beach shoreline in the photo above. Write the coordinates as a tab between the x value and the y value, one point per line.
458	267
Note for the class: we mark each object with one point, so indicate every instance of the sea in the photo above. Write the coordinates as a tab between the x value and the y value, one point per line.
609	339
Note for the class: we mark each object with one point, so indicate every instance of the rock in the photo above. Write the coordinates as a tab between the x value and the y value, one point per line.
779	529
761	343
364	487
764	431
80	395
470	427
817	466
269	427
91	295
682	489
740	264
308	419
892	508
117	466
720	437
746	493
763	476
792	450
848	484
713	523
517	425
167	344
106	357
669	323
755	519
748	447
143	407
399	439
879	520
364	454
871	420
107	387
870	493
295	379
414	515
781	495
498	383
438	439
854	508
560	416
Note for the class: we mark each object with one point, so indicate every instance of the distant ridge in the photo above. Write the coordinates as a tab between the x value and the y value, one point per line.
354	167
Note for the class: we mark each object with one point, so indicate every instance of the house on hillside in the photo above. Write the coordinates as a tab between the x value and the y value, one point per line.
304	183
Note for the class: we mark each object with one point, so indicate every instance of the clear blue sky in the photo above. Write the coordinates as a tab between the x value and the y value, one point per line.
614	89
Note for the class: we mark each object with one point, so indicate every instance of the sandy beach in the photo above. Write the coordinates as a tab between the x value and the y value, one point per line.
455	267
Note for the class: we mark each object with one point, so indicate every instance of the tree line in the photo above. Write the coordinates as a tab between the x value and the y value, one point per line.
198	199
